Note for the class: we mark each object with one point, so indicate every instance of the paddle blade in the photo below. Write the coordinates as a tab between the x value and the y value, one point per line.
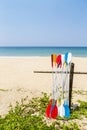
69	57
54	113
51	110
48	110
58	60
67	111
62	59
61	111
52	60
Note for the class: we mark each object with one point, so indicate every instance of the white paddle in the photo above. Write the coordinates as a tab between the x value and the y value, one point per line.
61	107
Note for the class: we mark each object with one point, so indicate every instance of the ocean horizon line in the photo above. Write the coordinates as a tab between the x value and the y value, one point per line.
42	51
47	46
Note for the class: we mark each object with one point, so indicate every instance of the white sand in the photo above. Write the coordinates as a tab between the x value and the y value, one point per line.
19	81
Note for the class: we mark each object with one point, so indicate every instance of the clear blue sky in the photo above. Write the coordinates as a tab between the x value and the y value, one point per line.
43	22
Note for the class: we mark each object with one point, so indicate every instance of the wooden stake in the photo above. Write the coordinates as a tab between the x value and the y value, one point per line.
71	83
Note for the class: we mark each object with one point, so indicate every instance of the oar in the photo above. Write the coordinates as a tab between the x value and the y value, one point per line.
52	65
56	81
51	110
58	84
54	109
58	65
50	104
68	70
68	57
60	106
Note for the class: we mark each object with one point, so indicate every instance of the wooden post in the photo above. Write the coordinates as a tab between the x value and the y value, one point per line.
71	83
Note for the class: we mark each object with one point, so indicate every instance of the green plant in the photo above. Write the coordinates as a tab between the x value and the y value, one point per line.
31	116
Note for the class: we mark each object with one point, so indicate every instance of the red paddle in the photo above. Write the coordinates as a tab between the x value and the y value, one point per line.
52	110
58	61
48	108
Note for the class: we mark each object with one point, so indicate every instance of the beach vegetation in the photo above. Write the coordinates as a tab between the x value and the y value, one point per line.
31	116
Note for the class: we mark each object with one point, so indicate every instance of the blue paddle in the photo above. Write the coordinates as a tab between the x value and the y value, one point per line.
66	103
67	110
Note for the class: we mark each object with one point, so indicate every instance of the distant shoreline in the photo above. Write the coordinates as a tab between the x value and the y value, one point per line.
42	51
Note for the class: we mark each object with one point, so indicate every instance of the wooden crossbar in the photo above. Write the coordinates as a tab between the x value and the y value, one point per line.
49	72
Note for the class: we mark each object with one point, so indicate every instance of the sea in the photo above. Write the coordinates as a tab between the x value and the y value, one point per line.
42	51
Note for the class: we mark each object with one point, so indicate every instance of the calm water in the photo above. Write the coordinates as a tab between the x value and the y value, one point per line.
42	51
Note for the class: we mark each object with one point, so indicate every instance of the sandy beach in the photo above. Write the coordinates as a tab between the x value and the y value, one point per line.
17	79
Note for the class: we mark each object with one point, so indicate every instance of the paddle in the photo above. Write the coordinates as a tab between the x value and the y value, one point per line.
56	79
62	109
54	109
50	104
61	102
59	84
58	58
51	110
68	57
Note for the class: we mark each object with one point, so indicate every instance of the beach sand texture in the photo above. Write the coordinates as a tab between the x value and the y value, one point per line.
17	79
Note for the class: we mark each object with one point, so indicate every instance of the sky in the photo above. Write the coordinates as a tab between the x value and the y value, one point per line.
43	22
